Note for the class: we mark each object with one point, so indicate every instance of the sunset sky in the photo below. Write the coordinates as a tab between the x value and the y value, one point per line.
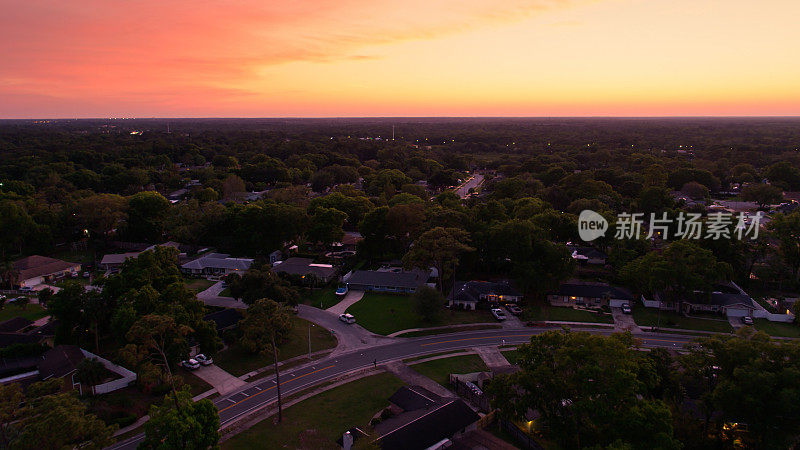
251	58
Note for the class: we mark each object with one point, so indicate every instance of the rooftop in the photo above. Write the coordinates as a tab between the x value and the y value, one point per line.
37	266
60	361
593	290
403	279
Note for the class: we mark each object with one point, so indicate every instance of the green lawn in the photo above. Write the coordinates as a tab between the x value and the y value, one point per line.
564	314
239	361
225	292
439	370
198	284
31	312
79	256
319	421
321	298
779	329
384	314
511	355
648	317
196	384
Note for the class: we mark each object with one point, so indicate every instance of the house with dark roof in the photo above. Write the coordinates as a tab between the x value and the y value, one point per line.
589	294
726	298
35	270
387	280
422	420
587	255
470	294
225	319
216	264
61	362
305	266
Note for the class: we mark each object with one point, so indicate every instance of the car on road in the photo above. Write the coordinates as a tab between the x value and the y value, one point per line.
341	290
347	318
626	308
26	289
514	309
74	274
498	314
203	359
747	320
190	364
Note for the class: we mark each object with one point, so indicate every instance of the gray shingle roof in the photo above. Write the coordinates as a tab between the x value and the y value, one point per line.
218	261
412	279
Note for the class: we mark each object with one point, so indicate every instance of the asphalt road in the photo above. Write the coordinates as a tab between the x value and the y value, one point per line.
260	392
473	182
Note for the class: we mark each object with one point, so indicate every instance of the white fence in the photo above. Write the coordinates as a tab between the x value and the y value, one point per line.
128	377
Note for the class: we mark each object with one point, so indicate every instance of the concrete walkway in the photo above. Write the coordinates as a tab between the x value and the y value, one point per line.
492	357
211	297
222	381
412	377
349	299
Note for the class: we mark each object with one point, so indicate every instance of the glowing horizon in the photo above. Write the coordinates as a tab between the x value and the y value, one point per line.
393	58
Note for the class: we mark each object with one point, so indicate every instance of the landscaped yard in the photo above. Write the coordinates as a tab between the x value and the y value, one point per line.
225	292
321	298
778	328
439	370
30	312
238	361
198	284
385	314
564	314
319	421
649	317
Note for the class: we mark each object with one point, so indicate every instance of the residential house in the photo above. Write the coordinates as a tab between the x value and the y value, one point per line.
470	294
423	420
387	280
726	298
305	266
112	262
216	264
61	362
349	241
35	270
590	294
225	319
587	255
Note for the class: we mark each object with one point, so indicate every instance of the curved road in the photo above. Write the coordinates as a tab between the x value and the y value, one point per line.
257	394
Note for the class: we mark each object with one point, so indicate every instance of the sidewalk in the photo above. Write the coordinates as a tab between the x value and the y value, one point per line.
412	377
492	357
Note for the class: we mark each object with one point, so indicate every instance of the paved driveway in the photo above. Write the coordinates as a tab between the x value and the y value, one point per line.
211	297
222	381
349	299
624	322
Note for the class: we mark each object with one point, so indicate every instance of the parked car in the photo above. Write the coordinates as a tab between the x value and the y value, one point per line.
203	359
342	290
626	308
747	320
514	309
86	274
74	274
190	364
26	289
347	318
498	314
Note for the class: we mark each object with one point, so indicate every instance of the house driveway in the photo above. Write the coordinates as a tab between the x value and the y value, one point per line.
222	381
349	299
211	297
624	322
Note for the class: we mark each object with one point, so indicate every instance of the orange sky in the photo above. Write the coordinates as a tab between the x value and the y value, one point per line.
251	58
